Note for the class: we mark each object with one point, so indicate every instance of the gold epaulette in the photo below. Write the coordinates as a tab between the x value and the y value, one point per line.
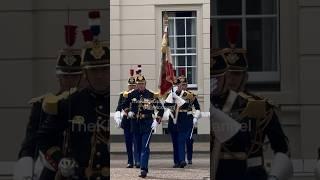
50	102
255	107
269	102
126	93
155	94
192	93
189	95
38	99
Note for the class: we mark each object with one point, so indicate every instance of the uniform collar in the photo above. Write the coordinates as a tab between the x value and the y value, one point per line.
143	91
97	95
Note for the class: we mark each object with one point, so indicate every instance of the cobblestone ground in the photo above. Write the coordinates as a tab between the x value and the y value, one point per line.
160	167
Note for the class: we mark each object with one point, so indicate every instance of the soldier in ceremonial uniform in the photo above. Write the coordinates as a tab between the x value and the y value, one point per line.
68	75
241	156
182	123
125	123
83	118
172	103
141	106
195	107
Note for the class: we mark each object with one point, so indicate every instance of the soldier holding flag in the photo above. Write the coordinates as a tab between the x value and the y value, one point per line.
181	125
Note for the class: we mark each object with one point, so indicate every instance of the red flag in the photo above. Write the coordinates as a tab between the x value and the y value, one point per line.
167	75
167	72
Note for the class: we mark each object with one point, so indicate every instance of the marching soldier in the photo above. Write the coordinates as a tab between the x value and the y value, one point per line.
241	157
193	103
68	75
140	106
181	125
172	103
83	119
125	123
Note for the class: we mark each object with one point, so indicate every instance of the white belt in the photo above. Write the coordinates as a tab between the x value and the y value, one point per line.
188	112
255	161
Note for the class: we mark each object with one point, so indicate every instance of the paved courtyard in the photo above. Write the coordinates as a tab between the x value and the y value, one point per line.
160	168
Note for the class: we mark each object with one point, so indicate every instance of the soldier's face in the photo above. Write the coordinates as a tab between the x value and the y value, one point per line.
235	80
130	87
68	81
98	78
141	86
183	86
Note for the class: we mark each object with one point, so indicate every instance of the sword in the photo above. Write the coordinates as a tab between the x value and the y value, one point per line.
149	137
191	132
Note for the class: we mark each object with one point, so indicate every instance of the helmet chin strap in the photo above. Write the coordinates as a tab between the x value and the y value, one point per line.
241	84
243	81
224	87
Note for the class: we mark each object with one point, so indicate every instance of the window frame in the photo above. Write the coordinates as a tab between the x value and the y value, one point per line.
199	9
258	76
185	36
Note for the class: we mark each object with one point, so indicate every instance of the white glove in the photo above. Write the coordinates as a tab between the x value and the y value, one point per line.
38	167
67	167
197	114
117	118
213	84
195	120
154	125
130	114
118	122
23	169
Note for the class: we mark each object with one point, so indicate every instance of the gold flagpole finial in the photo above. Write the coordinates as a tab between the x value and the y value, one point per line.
164	44
165	18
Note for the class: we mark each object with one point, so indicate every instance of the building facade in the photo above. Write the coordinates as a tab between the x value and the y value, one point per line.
136	33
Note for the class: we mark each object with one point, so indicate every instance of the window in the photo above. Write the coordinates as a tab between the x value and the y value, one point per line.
182	41
259	34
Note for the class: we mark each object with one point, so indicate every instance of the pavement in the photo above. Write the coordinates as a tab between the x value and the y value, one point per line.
161	162
161	147
160	168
